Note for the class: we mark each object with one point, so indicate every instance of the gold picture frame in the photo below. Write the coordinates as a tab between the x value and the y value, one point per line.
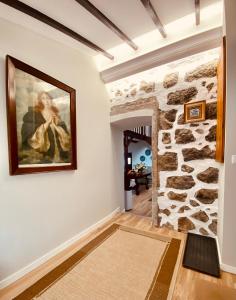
195	111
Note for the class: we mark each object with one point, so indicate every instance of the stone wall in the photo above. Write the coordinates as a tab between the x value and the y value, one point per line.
188	172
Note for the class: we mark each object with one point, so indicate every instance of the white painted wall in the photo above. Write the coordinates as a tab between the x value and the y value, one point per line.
228	228
39	212
117	165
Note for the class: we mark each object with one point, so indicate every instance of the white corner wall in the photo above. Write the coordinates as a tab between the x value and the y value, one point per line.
228	221
41	211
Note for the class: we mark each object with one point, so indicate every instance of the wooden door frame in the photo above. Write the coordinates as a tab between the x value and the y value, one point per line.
153	105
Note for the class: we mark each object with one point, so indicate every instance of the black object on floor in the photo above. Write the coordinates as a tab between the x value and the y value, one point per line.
201	254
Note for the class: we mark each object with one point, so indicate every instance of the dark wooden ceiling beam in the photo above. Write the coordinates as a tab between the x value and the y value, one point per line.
134	135
107	22
197	11
152	13
56	25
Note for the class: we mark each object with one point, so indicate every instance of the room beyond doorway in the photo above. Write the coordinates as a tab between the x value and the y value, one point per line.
135	116
138	170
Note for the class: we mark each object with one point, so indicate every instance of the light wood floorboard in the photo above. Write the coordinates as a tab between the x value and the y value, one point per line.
184	287
142	206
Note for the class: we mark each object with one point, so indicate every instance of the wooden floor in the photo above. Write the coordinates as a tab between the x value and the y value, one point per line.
184	288
142	206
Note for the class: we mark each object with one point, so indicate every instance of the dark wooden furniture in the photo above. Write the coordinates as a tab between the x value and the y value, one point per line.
140	179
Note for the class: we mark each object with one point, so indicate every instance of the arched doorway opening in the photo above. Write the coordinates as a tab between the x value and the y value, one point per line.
140	118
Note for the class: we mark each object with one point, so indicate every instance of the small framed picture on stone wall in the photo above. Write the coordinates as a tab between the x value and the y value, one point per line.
195	111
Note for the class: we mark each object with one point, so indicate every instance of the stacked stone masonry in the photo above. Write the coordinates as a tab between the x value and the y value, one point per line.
189	174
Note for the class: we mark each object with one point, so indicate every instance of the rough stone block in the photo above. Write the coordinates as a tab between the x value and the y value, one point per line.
148	87
168	161
211	111
170	80
194	203
207	196
183	208
214	214
201	216
166	138
168	225
210	175
193	153
203	231
210	86
180	119
213	226
177	196
181	96
165	211
187	169
211	137
184	224
184	136
166	119
205	70
170	115
199	131
180	182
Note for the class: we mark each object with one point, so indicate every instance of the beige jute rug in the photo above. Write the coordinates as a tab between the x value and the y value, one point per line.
120	263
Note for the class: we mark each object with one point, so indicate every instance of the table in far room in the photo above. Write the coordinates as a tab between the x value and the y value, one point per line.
139	177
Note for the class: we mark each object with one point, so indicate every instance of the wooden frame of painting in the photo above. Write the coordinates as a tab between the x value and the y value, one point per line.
195	111
41	115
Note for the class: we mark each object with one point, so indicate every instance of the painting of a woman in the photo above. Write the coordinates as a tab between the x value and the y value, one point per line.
45	137
41	116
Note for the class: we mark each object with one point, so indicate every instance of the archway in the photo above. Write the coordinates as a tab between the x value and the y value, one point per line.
135	117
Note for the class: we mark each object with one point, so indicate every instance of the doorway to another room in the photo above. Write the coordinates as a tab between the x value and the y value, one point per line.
138	170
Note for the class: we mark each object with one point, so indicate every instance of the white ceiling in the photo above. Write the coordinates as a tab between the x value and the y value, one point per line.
129	15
